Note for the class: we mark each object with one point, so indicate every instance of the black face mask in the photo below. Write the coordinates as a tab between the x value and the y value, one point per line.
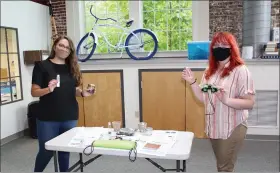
220	54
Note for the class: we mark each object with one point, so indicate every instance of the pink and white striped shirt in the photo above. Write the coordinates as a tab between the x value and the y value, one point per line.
222	120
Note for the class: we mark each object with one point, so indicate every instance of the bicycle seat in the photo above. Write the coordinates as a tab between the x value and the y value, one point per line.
129	23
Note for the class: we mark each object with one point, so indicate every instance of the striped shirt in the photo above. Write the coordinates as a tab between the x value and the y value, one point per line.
220	119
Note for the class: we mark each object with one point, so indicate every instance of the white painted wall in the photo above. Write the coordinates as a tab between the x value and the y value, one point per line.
200	20
32	21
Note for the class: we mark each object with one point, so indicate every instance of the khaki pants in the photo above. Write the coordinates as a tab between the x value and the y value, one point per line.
226	150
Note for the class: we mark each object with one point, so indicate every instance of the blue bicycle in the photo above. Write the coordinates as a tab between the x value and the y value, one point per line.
140	44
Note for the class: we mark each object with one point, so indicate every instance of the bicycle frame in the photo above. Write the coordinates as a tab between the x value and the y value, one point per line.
119	45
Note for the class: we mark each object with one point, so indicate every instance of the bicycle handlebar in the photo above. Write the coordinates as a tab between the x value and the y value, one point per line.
100	18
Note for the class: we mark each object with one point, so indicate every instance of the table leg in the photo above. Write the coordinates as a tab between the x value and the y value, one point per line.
81	162
184	166
177	165
55	161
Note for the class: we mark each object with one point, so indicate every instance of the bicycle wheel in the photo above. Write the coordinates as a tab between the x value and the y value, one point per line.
141	46
86	47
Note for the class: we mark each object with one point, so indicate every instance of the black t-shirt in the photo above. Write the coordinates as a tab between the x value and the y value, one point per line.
61	104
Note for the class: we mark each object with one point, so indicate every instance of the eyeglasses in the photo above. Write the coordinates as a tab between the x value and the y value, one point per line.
66	48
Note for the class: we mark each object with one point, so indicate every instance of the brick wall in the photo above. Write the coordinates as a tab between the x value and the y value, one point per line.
59	12
275	14
227	16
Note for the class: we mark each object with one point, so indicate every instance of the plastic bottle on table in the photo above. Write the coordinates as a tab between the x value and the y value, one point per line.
109	127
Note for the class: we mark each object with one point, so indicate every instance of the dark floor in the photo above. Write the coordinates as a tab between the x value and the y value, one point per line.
255	156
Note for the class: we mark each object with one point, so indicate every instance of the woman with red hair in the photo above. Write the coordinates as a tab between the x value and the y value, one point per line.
226	111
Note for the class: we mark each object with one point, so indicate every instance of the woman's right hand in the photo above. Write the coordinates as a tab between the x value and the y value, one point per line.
52	85
188	75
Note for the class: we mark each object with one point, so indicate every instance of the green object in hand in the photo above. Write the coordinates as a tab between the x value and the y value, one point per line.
115	144
207	87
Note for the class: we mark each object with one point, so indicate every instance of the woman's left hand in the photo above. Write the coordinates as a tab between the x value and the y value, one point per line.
222	95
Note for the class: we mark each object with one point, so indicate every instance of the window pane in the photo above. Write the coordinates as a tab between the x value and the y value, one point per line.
185	19
174	40
173	20
100	7
3	41
173	17
148	21
4	66
16	88
162	42
12	40
123	9
186	4
160	21
117	10
113	7
14	65
5	91
185	37
174	4
160	5
148	6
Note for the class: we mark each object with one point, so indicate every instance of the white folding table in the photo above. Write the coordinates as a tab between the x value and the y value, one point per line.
180	151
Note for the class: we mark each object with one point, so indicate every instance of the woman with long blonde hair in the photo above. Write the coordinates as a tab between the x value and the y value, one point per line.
56	81
226	111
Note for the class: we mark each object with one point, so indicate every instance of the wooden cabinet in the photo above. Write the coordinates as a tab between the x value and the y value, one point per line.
81	120
166	102
195	112
162	96
108	102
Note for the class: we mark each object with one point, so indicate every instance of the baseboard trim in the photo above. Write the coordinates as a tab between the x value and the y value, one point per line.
14	136
262	137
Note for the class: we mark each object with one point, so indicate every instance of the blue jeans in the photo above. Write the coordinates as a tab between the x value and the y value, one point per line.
47	130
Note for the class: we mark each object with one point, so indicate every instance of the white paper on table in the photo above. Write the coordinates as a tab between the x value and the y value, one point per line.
164	136
131	138
161	140
162	149
85	136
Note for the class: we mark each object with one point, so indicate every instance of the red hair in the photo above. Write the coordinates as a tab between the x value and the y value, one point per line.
235	59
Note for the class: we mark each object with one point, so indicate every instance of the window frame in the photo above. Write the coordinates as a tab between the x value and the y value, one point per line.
8	60
76	27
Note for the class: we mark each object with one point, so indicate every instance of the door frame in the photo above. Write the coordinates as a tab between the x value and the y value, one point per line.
156	70
120	71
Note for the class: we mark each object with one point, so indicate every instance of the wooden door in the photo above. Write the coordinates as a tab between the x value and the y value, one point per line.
80	100
107	104
162	103
195	114
81	120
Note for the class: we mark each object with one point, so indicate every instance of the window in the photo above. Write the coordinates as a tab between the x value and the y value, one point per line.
117	10
10	76
170	20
